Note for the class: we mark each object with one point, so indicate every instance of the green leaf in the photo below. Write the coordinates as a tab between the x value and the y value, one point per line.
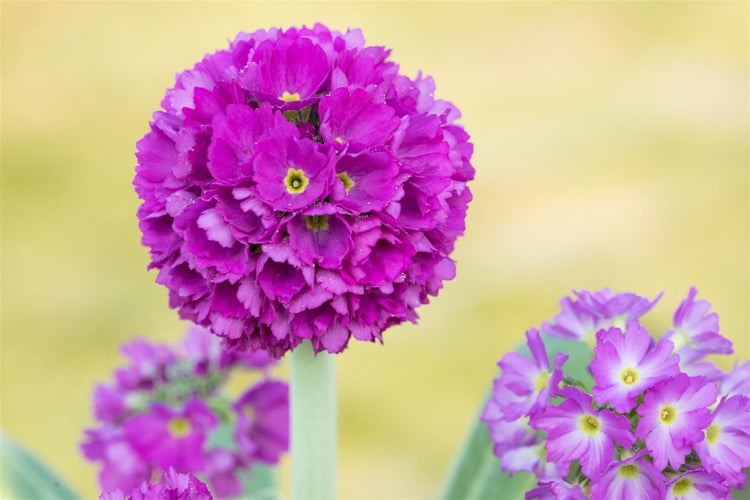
476	473
742	494
260	483
24	476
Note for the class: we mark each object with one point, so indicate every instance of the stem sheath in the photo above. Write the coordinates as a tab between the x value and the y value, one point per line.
313	424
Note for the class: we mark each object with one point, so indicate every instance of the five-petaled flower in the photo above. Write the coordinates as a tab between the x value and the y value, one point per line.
577	430
673	415
625	364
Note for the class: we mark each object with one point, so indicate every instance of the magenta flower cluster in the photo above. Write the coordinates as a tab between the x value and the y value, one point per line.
659	421
166	408
172	486
296	186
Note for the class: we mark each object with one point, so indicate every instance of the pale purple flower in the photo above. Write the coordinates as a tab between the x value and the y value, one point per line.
530	458
634	477
696	330
506	435
262	431
592	311
519	447
172	437
172	486
703	369
673	415
726	447
650	433
295	186
525	385
697	484
575	430
620	308
737	381
626	363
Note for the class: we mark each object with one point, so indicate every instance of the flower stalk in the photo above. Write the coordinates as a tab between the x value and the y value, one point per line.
313	423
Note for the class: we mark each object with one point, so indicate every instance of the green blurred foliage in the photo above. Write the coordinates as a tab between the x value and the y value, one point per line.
611	147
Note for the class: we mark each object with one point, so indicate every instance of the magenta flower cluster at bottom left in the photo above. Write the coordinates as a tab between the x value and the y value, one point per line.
161	420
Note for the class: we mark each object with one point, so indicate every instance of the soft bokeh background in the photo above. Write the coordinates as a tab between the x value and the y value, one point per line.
611	147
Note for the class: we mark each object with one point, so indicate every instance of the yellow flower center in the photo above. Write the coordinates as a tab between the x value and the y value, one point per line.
541	381
348	182
287	97
316	222
629	376
682	486
712	433
589	424
295	181
179	427
630	470
668	414
679	339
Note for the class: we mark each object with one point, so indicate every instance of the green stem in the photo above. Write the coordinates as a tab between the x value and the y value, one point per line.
313	423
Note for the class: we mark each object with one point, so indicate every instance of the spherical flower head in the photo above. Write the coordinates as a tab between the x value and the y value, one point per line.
296	186
172	486
172	437
697	484
634	477
626	363
725	449
592	311
525	385
575	430
263	421
696	330
673	414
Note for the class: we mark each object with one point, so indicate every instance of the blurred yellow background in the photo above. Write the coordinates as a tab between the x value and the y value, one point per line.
611	148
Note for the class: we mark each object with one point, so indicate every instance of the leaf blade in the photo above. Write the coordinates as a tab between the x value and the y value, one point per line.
22	475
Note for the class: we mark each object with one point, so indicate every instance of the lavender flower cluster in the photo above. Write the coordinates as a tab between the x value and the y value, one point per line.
296	186
167	409
660	421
